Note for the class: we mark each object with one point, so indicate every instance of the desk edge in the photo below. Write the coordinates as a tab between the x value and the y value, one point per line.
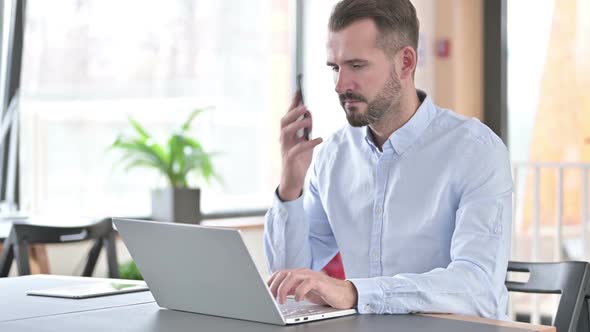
475	319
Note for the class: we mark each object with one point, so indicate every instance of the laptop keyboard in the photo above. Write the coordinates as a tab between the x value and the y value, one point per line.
293	308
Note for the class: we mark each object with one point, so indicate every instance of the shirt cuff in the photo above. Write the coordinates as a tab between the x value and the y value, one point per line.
283	201
369	294
287	208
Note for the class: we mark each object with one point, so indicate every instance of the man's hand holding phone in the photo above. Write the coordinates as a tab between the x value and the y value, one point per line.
296	150
303	132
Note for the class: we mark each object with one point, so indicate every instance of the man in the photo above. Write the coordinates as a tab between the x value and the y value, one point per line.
417	199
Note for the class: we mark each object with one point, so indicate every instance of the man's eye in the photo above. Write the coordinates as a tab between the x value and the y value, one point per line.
335	69
357	66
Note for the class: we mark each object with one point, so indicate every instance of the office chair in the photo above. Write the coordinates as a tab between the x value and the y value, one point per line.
334	268
570	279
21	236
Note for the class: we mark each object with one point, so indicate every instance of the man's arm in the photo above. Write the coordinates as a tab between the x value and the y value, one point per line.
473	283
298	241
297	233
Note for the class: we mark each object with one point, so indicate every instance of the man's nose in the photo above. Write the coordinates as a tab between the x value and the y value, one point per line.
343	83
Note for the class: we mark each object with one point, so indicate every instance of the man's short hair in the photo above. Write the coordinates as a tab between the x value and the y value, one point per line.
396	21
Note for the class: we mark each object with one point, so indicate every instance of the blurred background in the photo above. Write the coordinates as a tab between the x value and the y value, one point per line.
81	68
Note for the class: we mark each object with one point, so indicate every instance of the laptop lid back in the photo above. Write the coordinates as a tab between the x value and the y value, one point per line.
199	269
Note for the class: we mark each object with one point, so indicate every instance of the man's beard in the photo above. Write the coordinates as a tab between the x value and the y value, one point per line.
387	99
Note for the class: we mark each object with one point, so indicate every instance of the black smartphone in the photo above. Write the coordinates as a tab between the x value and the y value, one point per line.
305	132
299	78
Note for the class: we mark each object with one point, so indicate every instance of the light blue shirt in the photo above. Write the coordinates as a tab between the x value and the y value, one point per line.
423	226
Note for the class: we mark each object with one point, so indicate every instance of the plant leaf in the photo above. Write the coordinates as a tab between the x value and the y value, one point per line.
177	158
187	124
139	128
139	163
193	143
140	150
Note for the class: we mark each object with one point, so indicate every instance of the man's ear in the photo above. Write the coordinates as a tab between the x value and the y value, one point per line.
409	59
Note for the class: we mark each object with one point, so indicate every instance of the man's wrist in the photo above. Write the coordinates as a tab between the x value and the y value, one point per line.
286	197
353	293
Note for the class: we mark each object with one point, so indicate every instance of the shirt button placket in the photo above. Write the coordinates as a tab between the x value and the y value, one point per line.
375	255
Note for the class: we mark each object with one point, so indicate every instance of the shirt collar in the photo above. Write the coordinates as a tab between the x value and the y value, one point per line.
404	137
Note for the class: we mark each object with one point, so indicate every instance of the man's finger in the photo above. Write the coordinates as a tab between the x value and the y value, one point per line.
314	297
277	282
288	286
272	278
303	289
304	146
296	100
293	115
291	130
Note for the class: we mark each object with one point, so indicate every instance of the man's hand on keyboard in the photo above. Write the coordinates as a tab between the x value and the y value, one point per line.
312	286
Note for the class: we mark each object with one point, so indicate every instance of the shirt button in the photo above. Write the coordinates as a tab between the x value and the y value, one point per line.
378	210
498	229
367	307
375	255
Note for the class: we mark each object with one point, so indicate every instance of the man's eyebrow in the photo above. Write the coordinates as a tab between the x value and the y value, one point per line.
346	62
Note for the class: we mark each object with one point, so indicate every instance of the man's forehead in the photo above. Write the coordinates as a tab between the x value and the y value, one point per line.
357	40
363	32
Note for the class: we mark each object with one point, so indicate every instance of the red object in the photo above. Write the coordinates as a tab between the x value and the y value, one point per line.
334	268
443	48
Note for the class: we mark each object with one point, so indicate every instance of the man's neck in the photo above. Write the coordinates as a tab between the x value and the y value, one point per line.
399	116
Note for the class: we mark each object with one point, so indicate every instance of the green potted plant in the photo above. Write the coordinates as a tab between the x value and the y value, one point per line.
129	270
179	158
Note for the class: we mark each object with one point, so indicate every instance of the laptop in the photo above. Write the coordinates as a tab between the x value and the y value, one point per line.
209	271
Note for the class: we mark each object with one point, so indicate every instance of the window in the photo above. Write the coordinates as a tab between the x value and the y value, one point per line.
89	64
549	109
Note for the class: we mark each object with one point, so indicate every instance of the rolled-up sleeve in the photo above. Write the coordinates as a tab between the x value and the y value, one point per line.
473	282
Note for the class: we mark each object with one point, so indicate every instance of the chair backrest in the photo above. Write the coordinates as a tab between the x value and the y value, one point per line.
23	235
570	279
